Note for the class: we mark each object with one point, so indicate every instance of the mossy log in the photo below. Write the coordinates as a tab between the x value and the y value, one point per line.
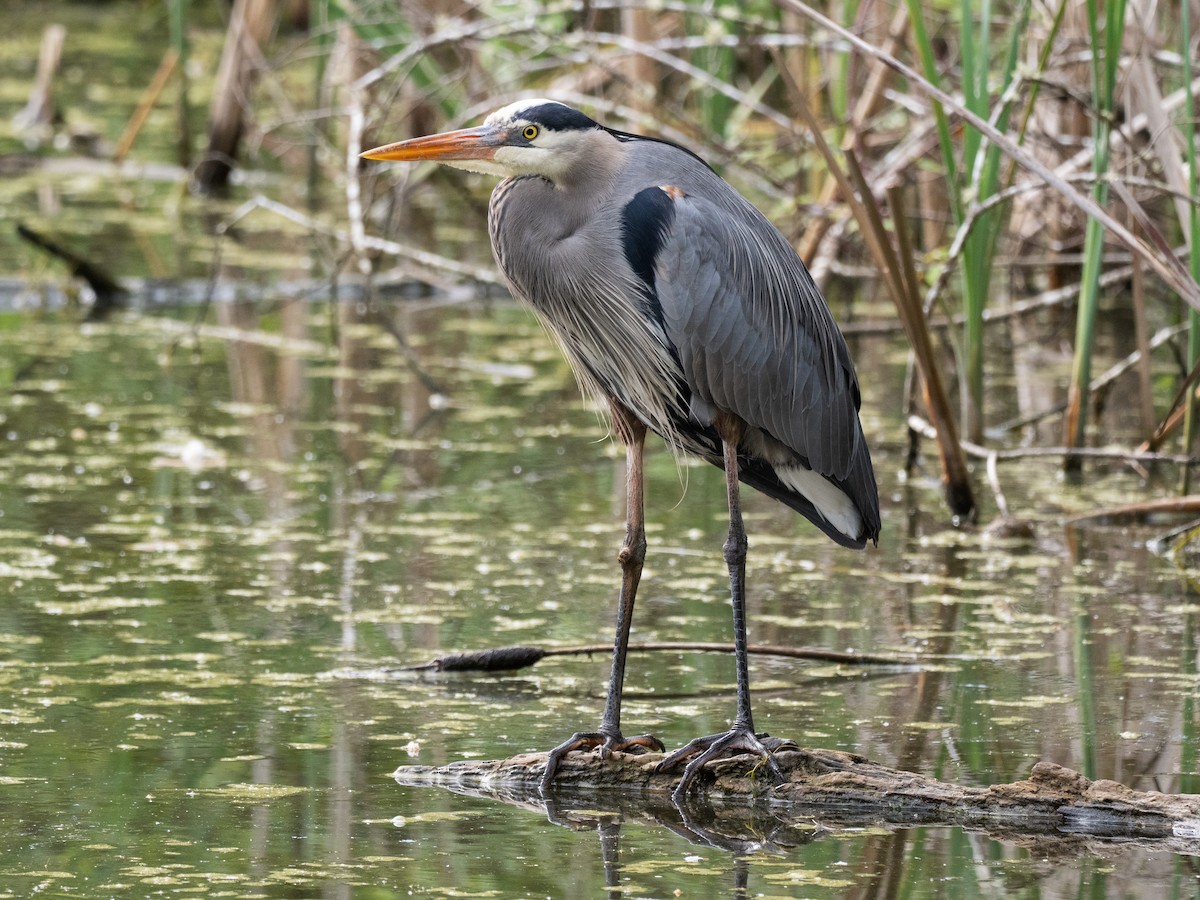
842	788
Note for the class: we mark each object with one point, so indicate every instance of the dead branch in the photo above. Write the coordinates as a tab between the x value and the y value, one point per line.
504	659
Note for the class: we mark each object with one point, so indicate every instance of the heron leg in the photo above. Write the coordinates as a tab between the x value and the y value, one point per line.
608	737
741	737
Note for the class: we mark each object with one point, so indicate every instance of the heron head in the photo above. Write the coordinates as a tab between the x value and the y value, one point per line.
529	137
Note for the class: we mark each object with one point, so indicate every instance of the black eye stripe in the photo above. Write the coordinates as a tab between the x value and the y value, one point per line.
556	117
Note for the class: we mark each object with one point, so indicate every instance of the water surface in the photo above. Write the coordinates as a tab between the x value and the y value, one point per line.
218	544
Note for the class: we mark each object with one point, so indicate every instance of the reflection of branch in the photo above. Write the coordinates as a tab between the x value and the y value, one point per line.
410	355
109	293
280	342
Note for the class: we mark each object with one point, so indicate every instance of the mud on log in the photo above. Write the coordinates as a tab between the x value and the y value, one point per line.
833	786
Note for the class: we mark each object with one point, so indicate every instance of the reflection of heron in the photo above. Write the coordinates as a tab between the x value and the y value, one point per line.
681	306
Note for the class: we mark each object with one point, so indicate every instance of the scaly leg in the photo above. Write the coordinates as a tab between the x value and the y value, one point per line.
741	737
633	553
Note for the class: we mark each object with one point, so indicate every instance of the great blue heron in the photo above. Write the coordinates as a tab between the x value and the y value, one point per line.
679	305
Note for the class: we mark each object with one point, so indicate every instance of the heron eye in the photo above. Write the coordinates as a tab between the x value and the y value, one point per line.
530	132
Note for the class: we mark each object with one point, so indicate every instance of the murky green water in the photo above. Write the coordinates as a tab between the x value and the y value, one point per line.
218	544
215	545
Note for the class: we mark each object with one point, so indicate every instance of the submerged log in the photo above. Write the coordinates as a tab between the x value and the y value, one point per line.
109	293
836	787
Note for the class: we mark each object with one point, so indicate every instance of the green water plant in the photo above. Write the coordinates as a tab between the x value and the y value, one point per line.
972	167
1105	30
1192	229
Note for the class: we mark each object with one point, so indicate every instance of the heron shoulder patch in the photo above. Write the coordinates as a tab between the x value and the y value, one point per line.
645	221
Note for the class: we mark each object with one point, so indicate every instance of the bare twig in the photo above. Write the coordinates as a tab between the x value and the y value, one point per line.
925	429
434	261
1134	512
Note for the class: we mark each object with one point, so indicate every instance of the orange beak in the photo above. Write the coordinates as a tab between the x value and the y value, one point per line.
469	143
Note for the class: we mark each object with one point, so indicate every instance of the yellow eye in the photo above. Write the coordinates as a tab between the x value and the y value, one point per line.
530	132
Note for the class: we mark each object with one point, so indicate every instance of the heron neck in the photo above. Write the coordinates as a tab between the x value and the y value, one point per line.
559	209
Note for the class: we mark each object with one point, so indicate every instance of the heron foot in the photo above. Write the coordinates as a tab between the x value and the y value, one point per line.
603	743
739	739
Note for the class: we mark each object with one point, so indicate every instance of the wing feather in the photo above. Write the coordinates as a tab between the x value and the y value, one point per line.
755	337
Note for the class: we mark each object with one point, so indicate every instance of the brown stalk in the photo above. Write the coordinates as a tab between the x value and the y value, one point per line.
146	103
868	103
956	477
901	283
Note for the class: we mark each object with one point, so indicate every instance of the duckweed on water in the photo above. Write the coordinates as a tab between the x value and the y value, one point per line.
194	590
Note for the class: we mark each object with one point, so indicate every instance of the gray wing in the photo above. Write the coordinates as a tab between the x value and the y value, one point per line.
755	337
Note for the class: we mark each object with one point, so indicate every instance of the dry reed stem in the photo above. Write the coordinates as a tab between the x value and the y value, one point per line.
149	97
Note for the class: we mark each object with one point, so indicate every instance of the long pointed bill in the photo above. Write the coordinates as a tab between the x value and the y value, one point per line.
469	143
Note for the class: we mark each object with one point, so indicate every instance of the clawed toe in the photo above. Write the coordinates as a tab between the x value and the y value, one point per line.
702	750
602	743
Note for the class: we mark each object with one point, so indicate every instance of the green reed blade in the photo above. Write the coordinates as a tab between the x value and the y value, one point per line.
1193	226
1106	57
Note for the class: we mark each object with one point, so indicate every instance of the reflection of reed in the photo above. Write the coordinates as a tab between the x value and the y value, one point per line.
351	395
271	385
346	783
885	855
275	388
